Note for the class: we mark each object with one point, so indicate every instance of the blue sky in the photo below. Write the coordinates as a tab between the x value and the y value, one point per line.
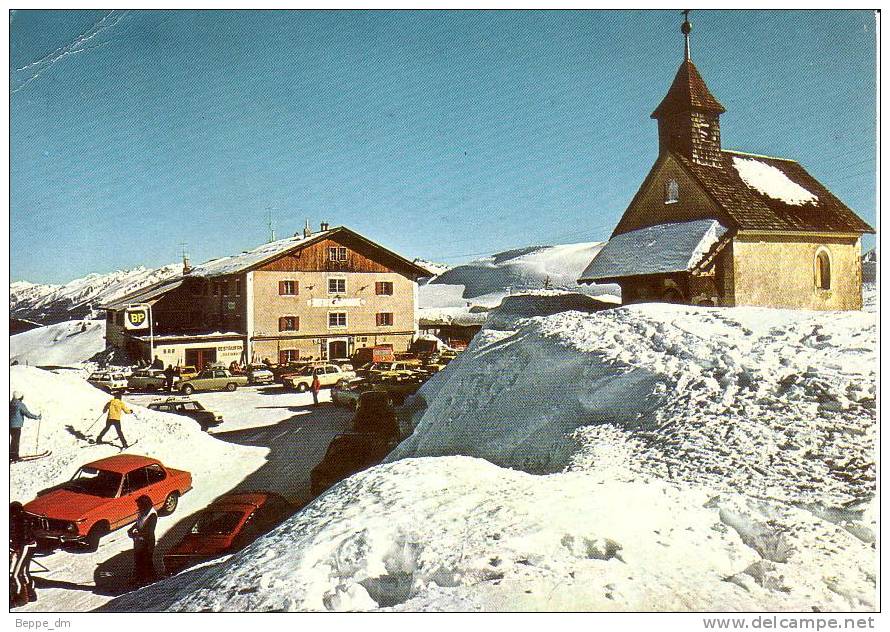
442	135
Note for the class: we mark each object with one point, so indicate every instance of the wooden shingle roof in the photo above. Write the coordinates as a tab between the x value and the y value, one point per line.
688	92
752	209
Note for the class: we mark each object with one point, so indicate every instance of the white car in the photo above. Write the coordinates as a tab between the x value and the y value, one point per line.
109	380
328	375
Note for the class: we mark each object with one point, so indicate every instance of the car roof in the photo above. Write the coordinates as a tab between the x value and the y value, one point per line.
253	499
121	463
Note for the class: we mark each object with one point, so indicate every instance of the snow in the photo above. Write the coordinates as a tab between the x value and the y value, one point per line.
79	298
655	250
70	408
650	457
248	258
466	293
64	344
772	182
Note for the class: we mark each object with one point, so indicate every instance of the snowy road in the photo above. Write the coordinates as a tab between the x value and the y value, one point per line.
296	435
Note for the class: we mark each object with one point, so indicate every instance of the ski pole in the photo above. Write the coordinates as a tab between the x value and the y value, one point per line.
37	446
102	414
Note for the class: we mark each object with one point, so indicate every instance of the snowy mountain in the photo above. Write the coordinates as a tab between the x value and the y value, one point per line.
62	344
465	293
79	298
651	457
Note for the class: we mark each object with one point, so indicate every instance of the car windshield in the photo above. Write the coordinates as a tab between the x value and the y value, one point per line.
385	366
93	482
213	522
99	376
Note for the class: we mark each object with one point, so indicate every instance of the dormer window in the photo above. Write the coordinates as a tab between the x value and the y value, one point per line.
671	192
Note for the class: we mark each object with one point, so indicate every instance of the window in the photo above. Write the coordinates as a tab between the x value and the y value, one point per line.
671	192
341	253
384	319
384	288
288	355
823	270
336	286
288	288
336	253
237	287
289	323
337	319
136	480
225	288
155	474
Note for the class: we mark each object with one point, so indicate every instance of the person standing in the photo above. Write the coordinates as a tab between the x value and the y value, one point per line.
143	534
169	373
22	545
17	414
315	388
115	408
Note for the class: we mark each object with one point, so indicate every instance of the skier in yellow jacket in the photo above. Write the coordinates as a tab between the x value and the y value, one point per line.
115	408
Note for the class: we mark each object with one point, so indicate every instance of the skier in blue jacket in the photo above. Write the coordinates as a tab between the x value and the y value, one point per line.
17	413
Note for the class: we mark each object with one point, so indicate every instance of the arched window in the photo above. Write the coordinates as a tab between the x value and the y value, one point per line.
823	270
671	192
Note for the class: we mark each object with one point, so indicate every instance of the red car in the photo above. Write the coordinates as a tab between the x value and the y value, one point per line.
102	497
228	524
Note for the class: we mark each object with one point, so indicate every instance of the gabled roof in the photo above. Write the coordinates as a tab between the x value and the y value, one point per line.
688	92
659	249
255	258
773	194
148	294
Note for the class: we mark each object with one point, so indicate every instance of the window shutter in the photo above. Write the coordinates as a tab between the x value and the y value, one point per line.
296	323
281	324
282	357
378	287
281	288
296	287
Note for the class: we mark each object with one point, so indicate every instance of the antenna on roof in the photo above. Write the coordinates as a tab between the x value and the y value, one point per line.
685	29
271	225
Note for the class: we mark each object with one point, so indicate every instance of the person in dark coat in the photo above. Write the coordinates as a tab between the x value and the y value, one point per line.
143	534
157	363
169	374
22	545
17	414
315	388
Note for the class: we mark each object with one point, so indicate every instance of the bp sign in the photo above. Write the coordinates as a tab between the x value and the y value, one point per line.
136	318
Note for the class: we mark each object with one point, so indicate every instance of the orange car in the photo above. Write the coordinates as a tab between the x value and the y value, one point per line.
227	525
102	497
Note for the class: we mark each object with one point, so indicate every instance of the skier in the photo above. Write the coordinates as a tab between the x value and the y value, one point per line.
17	413
115	407
143	534
157	363
169	373
22	545
315	388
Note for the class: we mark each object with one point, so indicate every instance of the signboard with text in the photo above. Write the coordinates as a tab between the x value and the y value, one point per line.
136	318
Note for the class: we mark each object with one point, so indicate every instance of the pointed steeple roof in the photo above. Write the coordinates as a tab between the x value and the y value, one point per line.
688	92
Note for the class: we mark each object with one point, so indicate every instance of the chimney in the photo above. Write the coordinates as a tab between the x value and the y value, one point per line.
307	231
186	266
324	226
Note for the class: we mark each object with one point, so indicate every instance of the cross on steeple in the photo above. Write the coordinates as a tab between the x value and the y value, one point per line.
685	28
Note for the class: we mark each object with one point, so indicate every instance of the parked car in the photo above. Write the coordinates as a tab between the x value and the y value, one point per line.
102	497
108	380
186	372
188	408
212	380
346	394
147	380
280	371
259	375
398	369
374	433
227	525
328	375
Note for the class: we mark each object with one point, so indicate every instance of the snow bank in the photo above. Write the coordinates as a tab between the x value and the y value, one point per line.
70	408
461	534
772	182
780	403
63	344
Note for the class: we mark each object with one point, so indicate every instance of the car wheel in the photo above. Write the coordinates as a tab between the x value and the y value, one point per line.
99	530
302	388
188	389
170	504
231	386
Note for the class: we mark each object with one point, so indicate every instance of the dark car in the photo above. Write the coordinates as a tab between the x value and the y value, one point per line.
228	524
188	408
375	432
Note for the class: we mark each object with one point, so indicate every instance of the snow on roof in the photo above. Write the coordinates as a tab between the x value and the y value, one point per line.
772	182
149	294
249	258
655	250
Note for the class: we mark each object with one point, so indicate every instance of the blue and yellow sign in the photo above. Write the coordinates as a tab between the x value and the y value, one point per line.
136	318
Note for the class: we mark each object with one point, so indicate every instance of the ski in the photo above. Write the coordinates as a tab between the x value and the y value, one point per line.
93	443
33	457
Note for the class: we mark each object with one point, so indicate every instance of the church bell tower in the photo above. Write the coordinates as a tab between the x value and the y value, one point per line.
689	115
